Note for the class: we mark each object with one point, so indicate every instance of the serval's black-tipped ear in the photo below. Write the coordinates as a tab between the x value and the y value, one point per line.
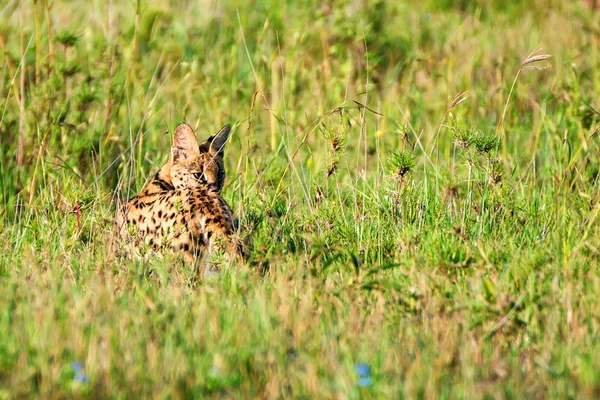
216	143
184	143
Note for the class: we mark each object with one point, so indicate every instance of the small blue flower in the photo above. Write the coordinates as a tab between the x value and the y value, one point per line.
80	377
364	374
365	381
363	369
77	366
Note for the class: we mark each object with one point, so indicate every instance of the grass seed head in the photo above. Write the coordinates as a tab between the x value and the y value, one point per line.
457	99
533	58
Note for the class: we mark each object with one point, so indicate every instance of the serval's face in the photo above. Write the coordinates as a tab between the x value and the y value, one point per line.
198	165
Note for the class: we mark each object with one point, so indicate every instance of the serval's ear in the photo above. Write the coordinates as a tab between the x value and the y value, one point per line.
185	144
216	143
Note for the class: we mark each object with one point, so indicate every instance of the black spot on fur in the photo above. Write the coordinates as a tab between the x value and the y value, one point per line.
162	184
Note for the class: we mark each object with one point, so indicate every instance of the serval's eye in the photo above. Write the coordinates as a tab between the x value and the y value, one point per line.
200	176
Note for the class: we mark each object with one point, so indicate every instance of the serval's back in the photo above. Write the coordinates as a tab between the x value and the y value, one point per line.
182	207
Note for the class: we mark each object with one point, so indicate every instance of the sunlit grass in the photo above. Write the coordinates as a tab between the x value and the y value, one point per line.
420	203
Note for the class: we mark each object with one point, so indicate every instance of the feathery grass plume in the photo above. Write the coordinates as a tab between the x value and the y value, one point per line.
457	99
535	58
336	145
526	65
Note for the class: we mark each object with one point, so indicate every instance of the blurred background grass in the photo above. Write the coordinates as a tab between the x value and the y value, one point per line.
387	225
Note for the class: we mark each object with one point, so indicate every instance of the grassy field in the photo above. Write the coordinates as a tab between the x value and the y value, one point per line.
418	190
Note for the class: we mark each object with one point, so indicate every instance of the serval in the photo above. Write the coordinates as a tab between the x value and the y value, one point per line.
181	208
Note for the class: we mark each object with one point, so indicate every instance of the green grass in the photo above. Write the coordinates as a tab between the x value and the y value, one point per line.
389	222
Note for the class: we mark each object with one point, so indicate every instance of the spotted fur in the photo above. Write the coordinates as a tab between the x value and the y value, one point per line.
181	207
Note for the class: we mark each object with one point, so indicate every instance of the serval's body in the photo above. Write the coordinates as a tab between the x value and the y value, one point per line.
182	207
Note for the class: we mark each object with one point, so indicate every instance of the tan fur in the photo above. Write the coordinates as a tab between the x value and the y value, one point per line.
181	207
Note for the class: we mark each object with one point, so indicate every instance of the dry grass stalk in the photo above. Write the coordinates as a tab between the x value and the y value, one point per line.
532	58
11	67
457	99
50	40
21	143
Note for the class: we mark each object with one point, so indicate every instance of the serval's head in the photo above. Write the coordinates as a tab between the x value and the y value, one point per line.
195	165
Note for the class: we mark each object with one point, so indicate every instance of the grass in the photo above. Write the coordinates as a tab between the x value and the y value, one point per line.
419	202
